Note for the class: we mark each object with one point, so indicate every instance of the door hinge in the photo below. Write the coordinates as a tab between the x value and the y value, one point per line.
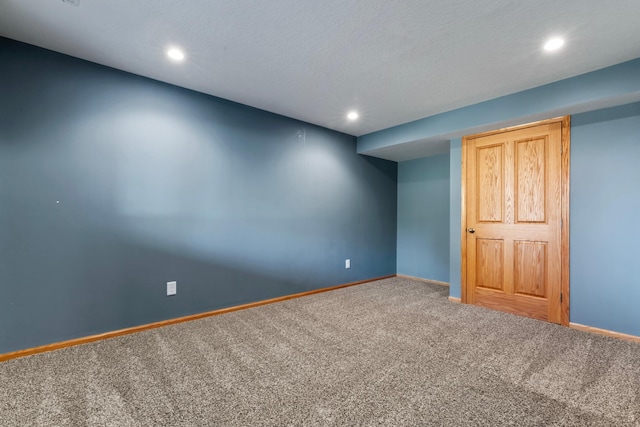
560	296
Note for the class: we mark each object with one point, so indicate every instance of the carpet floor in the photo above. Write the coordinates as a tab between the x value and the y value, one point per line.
393	352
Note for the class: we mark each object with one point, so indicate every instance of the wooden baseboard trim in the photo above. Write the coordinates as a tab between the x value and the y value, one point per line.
605	332
420	279
134	329
455	299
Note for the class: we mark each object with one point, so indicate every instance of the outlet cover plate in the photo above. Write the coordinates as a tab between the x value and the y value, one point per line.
171	288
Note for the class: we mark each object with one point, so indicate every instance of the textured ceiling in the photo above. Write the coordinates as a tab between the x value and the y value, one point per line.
393	61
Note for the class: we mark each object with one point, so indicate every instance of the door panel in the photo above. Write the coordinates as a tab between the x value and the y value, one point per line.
531	268
513	182
489	267
530	180
490	186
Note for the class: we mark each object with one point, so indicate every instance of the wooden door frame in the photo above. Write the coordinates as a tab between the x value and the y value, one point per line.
564	200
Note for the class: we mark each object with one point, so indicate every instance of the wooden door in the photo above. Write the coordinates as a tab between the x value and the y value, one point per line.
514	244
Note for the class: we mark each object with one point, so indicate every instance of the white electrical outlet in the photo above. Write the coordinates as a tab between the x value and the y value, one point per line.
347	263
171	288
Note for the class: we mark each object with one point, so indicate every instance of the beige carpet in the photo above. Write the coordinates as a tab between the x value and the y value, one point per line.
392	352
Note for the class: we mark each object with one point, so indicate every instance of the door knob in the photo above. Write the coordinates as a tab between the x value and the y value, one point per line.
471	230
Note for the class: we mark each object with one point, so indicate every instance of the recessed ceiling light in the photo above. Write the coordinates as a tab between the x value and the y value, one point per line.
352	115
175	54
553	44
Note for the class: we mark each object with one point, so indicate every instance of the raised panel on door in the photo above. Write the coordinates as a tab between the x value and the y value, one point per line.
490	183
530	175
490	264
530	268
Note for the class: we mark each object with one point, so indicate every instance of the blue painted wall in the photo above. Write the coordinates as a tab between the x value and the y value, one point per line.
455	199
605	201
423	218
112	184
